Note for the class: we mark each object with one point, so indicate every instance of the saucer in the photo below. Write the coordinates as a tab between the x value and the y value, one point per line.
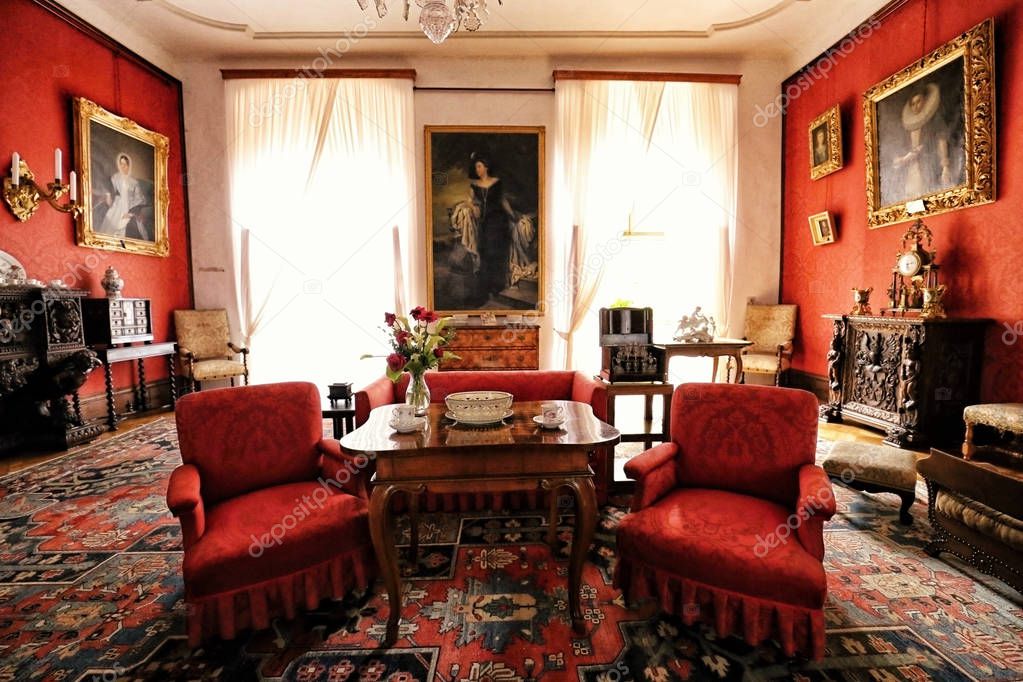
548	425
451	415
416	424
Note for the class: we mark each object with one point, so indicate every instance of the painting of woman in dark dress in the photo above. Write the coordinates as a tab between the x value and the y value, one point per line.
484	222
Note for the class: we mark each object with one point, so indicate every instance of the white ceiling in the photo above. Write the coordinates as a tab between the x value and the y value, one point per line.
238	29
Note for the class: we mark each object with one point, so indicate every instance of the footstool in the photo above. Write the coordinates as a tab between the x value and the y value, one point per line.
1005	418
875	469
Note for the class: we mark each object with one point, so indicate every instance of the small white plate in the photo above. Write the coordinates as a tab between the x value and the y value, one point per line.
451	415
548	425
417	424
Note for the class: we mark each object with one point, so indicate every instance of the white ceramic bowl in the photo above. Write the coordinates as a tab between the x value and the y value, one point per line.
479	406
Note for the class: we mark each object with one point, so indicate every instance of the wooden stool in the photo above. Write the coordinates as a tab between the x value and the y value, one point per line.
875	469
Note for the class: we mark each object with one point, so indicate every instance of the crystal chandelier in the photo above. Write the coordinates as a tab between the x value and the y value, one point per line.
437	19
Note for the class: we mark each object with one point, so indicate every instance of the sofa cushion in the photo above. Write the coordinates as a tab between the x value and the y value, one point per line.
726	539
987	521
272	533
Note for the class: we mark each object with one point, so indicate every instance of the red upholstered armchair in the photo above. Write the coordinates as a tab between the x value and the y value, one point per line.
727	519
272	517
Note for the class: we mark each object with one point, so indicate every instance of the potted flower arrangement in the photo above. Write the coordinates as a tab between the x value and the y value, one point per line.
418	344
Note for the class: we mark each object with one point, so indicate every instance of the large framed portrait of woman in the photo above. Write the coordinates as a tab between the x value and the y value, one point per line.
930	132
124	193
485	226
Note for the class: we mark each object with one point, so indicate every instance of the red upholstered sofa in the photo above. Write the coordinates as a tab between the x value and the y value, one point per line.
272	517
727	521
525	386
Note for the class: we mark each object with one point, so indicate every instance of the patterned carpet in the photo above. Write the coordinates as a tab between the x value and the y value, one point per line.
90	589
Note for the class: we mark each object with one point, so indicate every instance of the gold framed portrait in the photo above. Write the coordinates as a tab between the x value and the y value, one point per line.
124	195
822	228
485	224
825	133
930	132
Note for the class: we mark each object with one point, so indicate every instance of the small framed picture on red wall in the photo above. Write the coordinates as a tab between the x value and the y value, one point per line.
822	228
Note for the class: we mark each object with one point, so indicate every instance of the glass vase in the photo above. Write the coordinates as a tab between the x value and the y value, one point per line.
418	393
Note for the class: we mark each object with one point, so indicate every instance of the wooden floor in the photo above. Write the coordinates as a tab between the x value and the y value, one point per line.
16	462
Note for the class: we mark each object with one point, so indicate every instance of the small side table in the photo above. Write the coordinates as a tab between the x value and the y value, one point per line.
342	414
138	354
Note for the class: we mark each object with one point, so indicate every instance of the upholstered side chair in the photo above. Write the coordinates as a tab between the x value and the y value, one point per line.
727	519
771	328
273	517
205	350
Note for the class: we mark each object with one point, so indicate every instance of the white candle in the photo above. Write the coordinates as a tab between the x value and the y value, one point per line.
58	167
15	169
73	181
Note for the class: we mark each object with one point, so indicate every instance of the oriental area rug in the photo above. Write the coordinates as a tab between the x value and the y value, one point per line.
90	589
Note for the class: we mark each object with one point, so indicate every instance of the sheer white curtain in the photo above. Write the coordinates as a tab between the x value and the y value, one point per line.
681	185
603	130
321	182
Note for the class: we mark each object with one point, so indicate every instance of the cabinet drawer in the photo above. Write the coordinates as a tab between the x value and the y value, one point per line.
495	338
483	358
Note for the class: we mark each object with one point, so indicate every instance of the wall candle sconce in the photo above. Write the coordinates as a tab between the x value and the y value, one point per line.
23	195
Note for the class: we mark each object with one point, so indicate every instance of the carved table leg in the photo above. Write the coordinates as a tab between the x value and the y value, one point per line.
739	378
173	380
714	371
108	380
585	524
143	389
552	519
381	528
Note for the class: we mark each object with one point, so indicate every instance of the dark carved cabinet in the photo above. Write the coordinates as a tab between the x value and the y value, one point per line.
43	362
907	376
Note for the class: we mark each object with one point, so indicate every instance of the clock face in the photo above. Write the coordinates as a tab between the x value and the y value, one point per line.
909	263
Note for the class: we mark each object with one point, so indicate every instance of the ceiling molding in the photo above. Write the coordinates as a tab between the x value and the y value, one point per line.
417	35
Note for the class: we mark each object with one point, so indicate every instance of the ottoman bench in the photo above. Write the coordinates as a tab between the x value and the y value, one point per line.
1005	419
875	469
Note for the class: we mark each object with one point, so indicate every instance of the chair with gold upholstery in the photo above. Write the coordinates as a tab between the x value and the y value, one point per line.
771	328
205	350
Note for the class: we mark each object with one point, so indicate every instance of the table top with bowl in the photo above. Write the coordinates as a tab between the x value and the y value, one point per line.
495	452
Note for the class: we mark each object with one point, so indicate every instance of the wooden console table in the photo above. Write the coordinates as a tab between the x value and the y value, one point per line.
907	376
447	458
138	354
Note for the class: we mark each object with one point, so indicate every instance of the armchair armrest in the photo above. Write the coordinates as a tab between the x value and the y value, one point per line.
816	505
238	349
344	471
380	392
785	349
185	353
184	499
654	473
592	392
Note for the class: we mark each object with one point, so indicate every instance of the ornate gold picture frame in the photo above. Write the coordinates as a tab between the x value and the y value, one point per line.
485	222
930	132
822	228
825	133
124	193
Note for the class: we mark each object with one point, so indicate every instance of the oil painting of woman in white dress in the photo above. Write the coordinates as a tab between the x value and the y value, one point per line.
124	203
122	186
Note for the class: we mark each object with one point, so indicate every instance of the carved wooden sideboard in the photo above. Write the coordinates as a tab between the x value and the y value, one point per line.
906	376
495	347
43	362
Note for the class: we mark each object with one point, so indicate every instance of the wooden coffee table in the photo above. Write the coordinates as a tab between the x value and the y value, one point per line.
452	458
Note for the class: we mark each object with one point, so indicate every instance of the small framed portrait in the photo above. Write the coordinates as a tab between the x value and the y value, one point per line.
485	227
822	228
826	143
930	132
124	193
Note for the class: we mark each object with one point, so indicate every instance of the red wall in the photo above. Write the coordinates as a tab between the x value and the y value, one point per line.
979	249
48	62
